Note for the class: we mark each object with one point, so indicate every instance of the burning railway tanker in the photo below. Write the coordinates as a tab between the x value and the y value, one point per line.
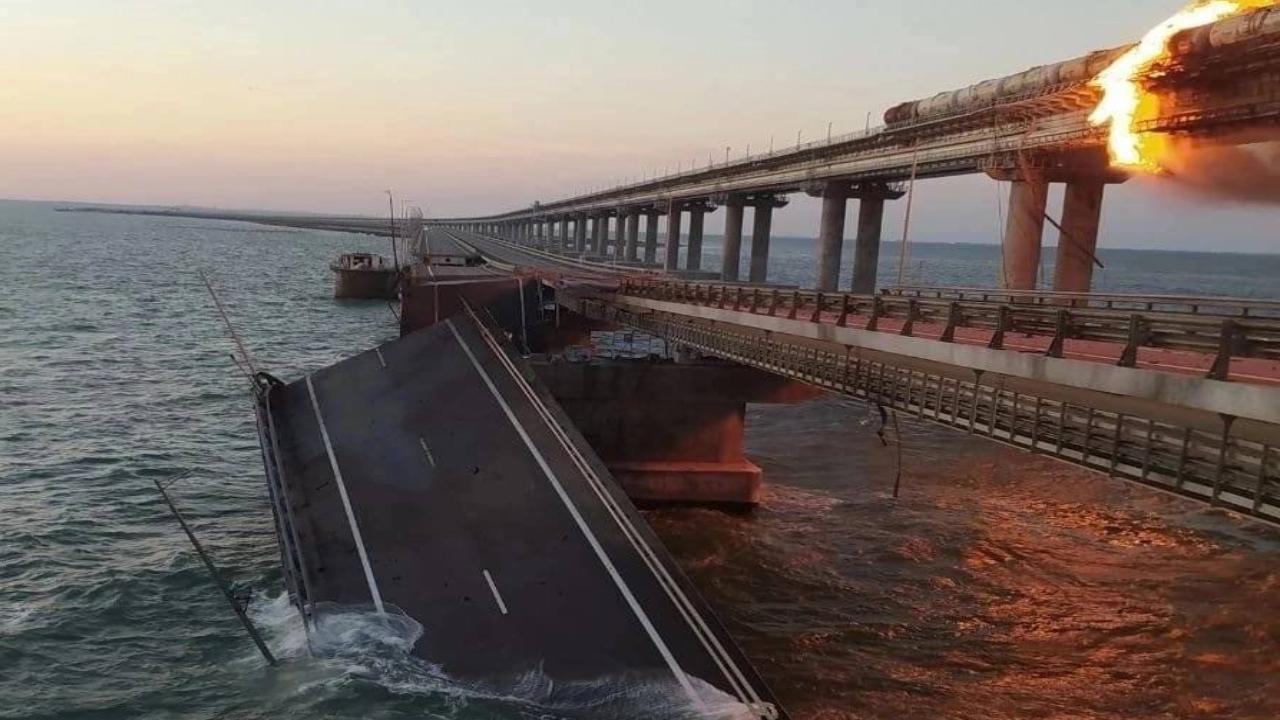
1111	81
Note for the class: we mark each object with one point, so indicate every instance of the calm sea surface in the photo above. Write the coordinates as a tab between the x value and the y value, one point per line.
999	586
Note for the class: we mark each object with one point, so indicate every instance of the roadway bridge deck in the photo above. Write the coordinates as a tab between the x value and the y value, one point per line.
436	476
1184	398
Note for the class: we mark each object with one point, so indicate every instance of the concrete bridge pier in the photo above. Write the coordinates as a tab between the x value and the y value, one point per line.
671	432
697	218
1024	231
651	237
866	251
830	241
603	248
614	243
762	224
1078	239
580	234
729	270
598	230
632	250
672	261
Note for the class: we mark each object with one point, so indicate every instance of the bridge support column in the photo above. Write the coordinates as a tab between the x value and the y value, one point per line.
830	244
633	236
729	270
762	225
697	216
580	234
651	237
599	228
613	244
866	251
1024	232
1078	239
673	235
670	432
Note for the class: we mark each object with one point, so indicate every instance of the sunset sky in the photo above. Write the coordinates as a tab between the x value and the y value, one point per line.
482	106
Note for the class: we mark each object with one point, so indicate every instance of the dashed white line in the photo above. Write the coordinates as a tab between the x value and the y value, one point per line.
497	597
380	359
430	458
628	596
346	502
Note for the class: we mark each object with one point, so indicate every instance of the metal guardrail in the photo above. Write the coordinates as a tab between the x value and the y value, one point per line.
1223	338
1210	464
1192	304
292	562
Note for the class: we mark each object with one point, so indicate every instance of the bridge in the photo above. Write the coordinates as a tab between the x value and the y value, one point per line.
1030	129
539	561
1181	394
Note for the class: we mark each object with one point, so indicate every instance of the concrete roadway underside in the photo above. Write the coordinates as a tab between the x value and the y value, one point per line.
436	475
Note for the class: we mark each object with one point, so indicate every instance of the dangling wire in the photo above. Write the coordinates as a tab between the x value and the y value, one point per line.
245	358
886	415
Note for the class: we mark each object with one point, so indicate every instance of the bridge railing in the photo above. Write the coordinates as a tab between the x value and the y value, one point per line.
1192	304
1128	331
1206	459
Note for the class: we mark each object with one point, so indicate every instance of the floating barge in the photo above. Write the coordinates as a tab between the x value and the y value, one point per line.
364	276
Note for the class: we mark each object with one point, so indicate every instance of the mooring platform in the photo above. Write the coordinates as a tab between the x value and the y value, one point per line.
437	475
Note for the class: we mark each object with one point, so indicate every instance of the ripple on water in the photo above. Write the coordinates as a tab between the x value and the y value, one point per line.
999	585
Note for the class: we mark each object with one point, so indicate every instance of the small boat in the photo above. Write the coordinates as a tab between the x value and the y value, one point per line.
364	276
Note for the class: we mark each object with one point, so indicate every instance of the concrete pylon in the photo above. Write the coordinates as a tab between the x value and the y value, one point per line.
599	229
614	244
651	237
606	242
632	251
672	261
762	225
866	252
1078	239
732	238
580	234
830	242
697	215
1024	232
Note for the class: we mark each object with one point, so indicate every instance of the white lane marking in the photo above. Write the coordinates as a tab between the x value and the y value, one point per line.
380	358
745	691
346	502
621	584
430	458
502	607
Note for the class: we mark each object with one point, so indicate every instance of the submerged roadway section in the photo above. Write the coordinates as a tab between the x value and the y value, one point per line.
436	476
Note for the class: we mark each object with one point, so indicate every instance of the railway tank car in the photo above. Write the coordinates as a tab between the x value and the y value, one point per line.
1256	26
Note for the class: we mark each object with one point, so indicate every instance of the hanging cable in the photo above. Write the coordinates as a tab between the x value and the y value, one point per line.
906	220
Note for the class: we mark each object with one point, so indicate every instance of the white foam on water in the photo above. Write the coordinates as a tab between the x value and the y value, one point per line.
635	696
357	644
13	618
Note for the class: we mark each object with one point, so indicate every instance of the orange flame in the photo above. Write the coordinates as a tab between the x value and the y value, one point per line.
1123	93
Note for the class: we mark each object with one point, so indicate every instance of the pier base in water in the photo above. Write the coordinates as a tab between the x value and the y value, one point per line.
670	432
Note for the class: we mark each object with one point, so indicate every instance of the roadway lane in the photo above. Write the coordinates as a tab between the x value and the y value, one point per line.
522	257
435	474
